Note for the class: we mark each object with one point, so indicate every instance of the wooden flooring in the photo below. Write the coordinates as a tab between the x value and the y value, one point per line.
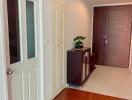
73	94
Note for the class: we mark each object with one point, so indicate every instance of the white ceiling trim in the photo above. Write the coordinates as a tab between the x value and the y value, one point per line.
111	4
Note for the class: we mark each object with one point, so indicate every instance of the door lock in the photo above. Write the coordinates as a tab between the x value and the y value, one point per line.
106	42
9	72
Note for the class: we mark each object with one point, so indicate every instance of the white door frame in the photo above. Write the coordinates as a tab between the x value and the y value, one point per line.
3	61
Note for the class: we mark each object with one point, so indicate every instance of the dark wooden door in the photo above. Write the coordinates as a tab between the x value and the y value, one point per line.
99	33
112	35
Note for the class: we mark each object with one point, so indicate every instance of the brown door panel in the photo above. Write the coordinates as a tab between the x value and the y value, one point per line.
118	33
98	34
114	49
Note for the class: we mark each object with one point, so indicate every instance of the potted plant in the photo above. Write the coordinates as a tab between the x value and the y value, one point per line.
78	42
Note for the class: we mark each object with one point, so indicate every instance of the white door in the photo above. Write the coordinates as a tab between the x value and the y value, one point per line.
58	47
23	47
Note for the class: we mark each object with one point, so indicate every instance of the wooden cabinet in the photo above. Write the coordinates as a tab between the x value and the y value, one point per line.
78	65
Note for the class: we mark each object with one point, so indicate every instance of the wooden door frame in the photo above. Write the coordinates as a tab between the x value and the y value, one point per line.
112	4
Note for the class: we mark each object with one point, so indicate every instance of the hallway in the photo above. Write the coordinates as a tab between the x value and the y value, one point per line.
35	36
110	81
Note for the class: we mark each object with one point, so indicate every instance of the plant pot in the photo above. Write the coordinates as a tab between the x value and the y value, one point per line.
78	46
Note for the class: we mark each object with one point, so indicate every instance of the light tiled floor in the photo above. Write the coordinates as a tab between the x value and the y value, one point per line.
112	81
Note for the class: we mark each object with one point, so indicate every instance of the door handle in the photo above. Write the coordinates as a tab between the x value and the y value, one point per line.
9	72
106	42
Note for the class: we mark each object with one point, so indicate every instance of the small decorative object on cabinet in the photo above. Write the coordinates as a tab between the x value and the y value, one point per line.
78	42
78	66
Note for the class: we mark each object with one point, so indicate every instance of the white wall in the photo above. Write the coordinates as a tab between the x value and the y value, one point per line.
78	22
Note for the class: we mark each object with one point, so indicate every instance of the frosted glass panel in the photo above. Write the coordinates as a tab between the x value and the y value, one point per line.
30	29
